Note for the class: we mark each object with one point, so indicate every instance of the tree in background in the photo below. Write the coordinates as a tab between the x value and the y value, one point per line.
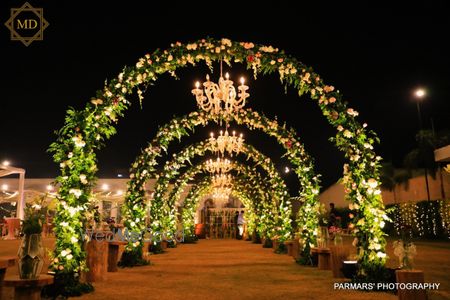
423	155
391	177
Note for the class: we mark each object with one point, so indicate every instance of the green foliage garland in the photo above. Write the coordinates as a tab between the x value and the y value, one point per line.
86	130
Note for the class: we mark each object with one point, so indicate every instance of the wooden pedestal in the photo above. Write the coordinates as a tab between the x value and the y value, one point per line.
324	255
338	254
290	247
275	244
5	262
113	255
405	276
97	260
28	289
164	245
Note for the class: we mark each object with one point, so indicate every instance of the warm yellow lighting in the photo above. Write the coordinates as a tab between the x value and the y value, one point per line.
4	187
286	170
222	97
119	193
218	166
221	195
105	187
5	163
222	180
227	76
49	188
226	143
420	93
242	80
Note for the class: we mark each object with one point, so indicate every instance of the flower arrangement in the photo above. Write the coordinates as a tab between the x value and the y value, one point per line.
405	249
334	230
35	216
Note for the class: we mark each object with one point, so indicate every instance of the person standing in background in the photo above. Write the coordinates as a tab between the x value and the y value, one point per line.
240	222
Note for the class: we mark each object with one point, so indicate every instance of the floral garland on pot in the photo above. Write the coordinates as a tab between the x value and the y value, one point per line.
86	130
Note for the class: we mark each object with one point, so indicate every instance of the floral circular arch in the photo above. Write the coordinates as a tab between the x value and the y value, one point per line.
248	193
247	172
161	212
249	183
145	164
86	130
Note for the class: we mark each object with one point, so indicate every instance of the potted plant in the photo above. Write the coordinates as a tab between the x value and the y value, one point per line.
31	252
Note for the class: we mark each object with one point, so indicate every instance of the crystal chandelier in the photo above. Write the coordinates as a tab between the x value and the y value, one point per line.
226	143
222	180
220	98
221	195
218	166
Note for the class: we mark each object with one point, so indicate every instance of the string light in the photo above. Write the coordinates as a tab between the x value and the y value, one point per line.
422	218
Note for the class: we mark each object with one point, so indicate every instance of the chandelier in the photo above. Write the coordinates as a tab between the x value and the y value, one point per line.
221	195
226	143
218	166
221	97
222	180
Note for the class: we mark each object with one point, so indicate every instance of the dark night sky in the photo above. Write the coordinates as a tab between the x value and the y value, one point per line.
375	55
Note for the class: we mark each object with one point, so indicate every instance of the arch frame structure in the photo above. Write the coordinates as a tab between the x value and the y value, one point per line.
85	132
145	164
278	191
171	170
250	181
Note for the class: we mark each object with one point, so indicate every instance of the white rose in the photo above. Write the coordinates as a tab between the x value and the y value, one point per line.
372	183
75	192
83	179
347	134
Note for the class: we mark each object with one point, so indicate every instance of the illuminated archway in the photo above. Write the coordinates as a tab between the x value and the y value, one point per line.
86	130
245	172
145	164
160	209
249	194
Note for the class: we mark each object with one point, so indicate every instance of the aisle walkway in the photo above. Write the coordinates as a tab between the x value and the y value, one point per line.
223	269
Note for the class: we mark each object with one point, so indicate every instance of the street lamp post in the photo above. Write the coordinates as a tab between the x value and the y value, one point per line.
420	94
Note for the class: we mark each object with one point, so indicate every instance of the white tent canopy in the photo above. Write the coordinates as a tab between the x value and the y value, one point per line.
5	170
